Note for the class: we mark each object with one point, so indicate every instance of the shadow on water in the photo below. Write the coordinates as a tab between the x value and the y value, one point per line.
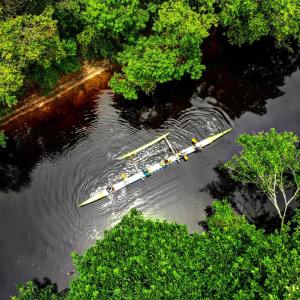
243	79
168	101
43	136
246	199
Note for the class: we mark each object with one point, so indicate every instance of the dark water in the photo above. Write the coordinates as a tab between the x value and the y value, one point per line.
51	165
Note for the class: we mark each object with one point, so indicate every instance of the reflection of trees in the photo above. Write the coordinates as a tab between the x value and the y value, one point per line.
243	79
168	101
41	135
245	199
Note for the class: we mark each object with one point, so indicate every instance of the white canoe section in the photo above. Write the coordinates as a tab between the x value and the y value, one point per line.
154	168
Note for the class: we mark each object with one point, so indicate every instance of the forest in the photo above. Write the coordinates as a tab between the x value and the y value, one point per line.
153	41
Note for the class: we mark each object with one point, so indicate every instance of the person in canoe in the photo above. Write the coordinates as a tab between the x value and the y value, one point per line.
110	189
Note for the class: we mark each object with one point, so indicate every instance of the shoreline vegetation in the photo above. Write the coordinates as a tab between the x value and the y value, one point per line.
153	41
98	74
149	259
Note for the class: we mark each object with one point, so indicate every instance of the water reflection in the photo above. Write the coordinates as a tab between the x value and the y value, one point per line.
243	79
168	101
43	135
246	199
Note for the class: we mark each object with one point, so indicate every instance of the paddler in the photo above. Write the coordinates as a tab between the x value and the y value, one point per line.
124	176
167	161
184	156
146	173
194	142
110	189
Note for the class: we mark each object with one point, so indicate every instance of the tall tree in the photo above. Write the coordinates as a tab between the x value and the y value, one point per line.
271	161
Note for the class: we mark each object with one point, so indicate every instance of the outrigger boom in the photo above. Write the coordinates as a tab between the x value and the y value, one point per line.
143	147
141	174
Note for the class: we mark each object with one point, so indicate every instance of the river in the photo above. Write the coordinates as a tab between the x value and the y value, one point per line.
50	165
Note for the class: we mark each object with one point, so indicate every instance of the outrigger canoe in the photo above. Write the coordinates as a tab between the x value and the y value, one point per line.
142	174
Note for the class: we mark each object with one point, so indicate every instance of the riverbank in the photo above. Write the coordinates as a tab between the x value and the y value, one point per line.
75	86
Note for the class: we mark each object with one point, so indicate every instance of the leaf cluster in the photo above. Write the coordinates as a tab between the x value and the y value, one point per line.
145	259
2	139
170	52
154	41
246	21
31	291
109	24
30	45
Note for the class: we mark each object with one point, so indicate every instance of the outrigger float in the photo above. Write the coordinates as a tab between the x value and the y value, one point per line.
147	171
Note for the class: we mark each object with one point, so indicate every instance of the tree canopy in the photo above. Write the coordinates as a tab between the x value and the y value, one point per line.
247	21
30	48
2	139
154	41
148	259
271	161
172	51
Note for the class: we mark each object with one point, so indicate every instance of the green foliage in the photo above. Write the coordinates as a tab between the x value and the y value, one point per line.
172	51
154	41
145	259
271	161
13	8
30	291
30	44
11	81
110	24
2	139
246	21
284	19
68	15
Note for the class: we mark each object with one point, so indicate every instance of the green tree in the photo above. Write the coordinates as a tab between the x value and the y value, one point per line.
271	161
172	51
29	44
70	21
284	19
108	25
2	139
246	21
11	82
243	20
13	8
